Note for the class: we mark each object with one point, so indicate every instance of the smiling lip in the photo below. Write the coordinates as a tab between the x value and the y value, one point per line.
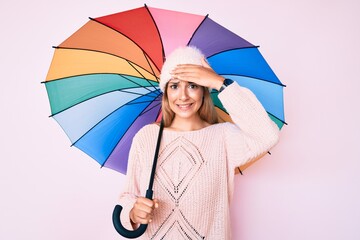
184	106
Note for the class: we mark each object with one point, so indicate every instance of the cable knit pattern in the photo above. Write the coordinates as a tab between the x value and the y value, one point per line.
195	171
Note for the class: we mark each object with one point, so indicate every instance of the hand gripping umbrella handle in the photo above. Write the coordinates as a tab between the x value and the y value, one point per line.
149	193
121	229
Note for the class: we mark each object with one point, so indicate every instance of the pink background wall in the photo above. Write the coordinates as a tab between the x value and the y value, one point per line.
307	189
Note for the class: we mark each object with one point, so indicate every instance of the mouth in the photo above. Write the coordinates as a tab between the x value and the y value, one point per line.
184	107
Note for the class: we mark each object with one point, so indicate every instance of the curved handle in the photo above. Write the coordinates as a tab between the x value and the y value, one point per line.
121	229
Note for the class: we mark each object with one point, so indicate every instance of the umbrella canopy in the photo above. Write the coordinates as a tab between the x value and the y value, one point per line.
103	80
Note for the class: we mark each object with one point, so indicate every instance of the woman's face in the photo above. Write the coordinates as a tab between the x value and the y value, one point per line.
185	98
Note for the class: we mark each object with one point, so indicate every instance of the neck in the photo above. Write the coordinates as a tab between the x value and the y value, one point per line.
180	124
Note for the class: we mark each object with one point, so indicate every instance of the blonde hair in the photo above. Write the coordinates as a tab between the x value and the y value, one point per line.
206	112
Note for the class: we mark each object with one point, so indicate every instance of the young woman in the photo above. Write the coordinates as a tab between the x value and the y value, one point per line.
198	155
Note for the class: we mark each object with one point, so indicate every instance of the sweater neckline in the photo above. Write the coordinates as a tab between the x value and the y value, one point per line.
190	131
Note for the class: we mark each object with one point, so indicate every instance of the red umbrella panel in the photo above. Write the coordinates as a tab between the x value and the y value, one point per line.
103	80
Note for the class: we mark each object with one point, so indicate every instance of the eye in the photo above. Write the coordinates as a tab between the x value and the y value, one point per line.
173	85
193	86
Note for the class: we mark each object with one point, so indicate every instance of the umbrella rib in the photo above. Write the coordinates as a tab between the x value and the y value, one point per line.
207	15
93	19
144	77
100	122
102	165
52	115
150	101
138	83
86	74
158	31
228	50
147	60
256	78
277	118
111	54
151	68
161	41
150	108
135	93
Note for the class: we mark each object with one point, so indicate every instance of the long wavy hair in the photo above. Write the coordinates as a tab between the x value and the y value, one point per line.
206	112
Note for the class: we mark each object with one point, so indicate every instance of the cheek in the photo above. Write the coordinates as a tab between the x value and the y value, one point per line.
171	96
197	95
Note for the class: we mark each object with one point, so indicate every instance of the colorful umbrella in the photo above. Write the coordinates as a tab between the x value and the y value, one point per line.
103	80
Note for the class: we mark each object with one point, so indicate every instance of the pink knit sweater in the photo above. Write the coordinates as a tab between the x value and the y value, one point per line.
195	171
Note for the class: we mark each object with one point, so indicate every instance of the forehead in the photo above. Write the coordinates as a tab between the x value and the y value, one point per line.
174	80
178	81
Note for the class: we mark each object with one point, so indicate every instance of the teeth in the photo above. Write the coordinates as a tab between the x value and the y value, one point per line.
184	105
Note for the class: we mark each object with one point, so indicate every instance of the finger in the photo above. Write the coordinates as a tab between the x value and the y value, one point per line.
138	217
141	217
144	217
187	74
186	68
183	65
143	220
188	78
156	203
145	201
143	208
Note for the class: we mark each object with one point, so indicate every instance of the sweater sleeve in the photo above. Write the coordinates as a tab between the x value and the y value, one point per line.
131	190
253	133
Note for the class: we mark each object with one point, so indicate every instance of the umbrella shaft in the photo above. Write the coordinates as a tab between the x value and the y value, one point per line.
152	175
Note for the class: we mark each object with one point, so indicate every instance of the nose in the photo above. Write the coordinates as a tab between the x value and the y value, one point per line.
183	93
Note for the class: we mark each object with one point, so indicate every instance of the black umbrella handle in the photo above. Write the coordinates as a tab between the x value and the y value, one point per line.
121	229
149	194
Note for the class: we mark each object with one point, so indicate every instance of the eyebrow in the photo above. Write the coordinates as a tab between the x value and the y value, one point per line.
178	81
174	81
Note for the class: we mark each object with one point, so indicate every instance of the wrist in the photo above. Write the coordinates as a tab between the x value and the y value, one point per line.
219	83
225	84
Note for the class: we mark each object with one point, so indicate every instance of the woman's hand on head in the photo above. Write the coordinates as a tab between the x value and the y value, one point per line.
202	75
142	211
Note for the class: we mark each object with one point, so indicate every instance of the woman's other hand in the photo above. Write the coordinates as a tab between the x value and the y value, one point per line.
202	75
